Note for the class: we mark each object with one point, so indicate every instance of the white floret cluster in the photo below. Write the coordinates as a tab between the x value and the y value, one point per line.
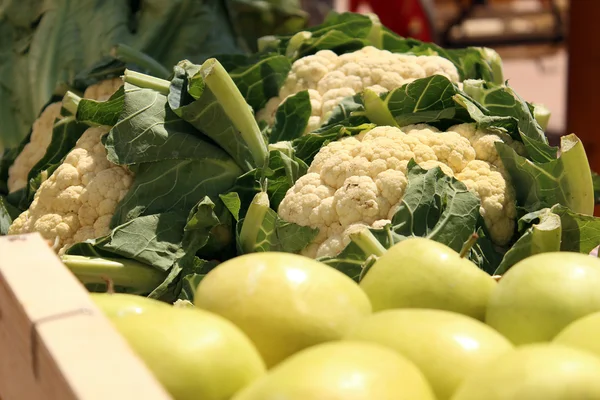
78	200
360	181
330	78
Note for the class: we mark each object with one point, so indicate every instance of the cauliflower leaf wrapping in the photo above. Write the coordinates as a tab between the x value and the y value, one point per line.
342	56
361	180
490	142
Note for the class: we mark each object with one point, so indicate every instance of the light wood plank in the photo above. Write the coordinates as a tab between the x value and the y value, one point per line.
54	342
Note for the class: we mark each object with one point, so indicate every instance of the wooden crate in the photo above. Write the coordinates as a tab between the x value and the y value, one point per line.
54	342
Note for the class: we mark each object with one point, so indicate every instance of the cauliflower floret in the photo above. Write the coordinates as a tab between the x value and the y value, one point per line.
77	201
498	207
360	181
41	133
32	153
330	78
484	143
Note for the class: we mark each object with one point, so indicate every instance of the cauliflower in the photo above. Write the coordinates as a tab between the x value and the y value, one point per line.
41	133
359	181
330	78
78	200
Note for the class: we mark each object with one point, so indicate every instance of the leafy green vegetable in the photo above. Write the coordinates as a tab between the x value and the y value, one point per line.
291	118
434	205
263	230
566	180
50	45
260	75
214	105
177	215
282	170
540	232
552	229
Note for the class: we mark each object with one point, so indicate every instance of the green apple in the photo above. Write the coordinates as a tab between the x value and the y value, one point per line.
422	273
193	353
342	370
542	294
445	346
540	371
283	302
582	333
115	305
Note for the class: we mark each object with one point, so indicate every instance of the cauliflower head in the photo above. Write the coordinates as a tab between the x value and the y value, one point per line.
34	151
41	133
330	78
359	181
78	200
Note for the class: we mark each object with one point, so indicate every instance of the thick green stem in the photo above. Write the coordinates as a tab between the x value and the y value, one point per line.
227	93
137	277
368	243
578	176
253	221
132	56
147	82
70	102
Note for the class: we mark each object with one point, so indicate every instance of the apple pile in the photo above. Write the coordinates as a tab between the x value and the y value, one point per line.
422	324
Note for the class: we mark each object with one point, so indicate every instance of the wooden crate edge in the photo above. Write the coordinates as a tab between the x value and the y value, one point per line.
54	342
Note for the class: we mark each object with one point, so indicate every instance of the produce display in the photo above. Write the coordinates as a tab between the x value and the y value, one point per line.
330	212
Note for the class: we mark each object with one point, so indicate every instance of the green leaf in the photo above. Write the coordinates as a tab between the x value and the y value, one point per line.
503	101
263	230
199	240
437	207
434	206
232	203
102	112
278	235
279	175
580	232
540	232
8	213
258	77
213	104
423	100
176	185
552	229
291	118
566	180
151	239
148	131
